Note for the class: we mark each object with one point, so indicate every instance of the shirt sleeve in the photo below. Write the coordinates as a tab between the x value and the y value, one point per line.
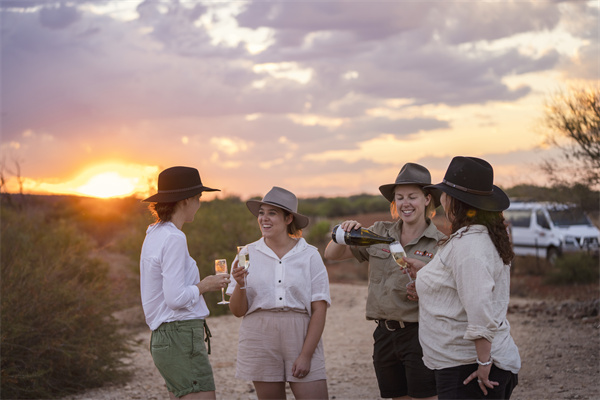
473	271
177	293
319	280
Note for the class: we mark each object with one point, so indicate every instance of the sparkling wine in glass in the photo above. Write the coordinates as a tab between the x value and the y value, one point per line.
221	268
398	253
243	261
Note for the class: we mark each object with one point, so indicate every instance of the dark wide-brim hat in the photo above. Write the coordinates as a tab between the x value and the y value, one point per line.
411	174
470	180
178	183
282	198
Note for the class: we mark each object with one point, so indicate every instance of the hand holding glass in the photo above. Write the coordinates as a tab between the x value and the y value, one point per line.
398	253
221	268
243	261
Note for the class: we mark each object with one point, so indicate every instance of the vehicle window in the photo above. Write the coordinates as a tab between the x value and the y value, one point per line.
519	218
569	216
542	220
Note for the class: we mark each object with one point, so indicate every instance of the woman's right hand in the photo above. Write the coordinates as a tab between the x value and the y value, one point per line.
349	225
238	273
413	266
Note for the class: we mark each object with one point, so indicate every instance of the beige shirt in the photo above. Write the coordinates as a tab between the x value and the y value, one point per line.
463	296
386	297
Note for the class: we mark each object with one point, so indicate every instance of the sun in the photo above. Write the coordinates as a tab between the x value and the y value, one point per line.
108	184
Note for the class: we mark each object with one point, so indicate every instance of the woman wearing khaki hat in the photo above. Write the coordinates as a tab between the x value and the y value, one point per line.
464	291
284	304
397	355
171	288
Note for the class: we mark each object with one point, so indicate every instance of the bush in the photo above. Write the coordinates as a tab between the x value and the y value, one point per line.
574	268
58	335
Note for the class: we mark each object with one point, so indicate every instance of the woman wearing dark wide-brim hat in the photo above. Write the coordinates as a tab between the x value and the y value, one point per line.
172	291
283	304
397	355
464	291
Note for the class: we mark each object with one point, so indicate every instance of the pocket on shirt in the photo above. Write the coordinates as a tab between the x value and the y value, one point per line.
379	256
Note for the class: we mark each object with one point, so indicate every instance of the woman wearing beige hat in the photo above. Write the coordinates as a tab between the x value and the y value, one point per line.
171	288
464	291
397	355
283	304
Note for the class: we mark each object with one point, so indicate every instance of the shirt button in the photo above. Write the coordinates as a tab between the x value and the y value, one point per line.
281	298
279	262
279	281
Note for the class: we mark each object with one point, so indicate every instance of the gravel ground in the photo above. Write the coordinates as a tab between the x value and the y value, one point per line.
558	342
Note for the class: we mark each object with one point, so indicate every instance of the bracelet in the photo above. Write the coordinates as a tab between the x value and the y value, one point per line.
484	363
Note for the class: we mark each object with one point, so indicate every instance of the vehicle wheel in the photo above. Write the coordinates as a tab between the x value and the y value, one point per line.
552	255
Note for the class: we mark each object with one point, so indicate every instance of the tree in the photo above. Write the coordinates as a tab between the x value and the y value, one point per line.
573	119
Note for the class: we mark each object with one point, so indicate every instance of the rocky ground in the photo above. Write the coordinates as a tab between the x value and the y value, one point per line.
558	341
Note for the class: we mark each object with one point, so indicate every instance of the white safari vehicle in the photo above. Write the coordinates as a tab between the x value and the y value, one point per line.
549	229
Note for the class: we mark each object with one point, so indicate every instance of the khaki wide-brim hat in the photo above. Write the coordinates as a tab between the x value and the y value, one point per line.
411	174
471	180
178	183
282	198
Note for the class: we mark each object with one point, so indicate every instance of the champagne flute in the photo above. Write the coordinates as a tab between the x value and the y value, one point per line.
221	268
244	261
398	252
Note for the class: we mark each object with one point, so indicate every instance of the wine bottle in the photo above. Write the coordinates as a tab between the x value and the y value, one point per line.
358	237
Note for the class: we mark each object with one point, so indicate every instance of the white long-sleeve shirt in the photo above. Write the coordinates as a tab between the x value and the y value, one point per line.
463	295
168	277
290	283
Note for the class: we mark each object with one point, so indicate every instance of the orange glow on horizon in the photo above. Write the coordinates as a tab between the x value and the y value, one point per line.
108	184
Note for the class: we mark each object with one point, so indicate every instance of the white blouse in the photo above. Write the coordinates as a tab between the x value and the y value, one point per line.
463	295
291	283
168	277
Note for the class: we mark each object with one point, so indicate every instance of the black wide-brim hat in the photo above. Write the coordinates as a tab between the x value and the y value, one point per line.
178	183
411	174
281	198
470	180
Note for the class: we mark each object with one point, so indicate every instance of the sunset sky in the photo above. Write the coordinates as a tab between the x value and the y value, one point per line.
321	97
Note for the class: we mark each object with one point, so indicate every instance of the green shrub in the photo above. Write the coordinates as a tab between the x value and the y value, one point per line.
574	268
58	335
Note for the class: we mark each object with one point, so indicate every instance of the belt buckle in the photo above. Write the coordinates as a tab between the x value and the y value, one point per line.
385	322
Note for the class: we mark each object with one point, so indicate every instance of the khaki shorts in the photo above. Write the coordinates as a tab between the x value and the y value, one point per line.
269	344
179	353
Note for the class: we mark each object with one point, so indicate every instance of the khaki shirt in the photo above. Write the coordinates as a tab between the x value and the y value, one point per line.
386	298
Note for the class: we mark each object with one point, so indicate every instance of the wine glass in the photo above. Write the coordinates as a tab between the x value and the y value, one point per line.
244	261
398	252
221	268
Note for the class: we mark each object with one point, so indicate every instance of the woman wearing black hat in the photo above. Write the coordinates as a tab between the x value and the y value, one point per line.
284	304
464	291
172	291
397	355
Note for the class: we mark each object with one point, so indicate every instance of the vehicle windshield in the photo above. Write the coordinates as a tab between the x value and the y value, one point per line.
569	216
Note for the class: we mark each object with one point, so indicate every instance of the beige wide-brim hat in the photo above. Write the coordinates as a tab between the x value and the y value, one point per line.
282	198
412	174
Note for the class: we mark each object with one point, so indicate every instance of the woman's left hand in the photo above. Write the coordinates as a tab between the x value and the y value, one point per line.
413	266
482	375
301	366
411	292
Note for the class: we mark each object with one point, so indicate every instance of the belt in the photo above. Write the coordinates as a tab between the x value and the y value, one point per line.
391	325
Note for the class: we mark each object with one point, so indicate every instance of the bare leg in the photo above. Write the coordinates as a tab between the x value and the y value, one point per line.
270	390
310	390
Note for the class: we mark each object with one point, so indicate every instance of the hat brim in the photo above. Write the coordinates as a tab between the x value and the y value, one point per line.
178	196
387	191
497	201
254	206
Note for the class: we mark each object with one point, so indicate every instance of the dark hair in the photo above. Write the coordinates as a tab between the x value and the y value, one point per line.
465	215
292	228
162	212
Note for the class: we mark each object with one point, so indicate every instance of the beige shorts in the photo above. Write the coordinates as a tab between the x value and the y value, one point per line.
269	344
